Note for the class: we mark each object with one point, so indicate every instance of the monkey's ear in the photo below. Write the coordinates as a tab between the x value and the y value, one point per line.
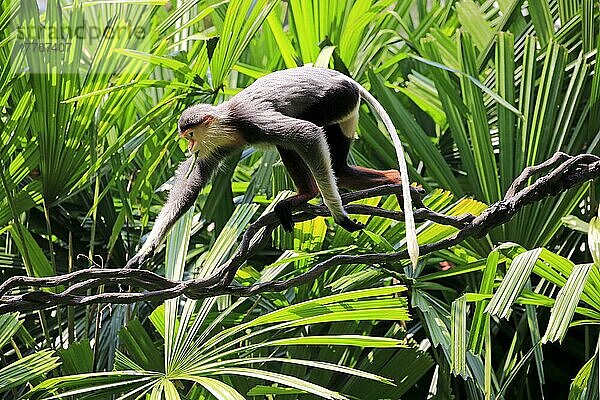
207	119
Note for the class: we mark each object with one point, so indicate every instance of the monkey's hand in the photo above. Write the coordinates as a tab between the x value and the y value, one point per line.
350	225
284	213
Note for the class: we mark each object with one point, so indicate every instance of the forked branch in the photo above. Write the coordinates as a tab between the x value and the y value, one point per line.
563	172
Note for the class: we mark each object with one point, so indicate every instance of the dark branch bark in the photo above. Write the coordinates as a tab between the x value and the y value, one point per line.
564	172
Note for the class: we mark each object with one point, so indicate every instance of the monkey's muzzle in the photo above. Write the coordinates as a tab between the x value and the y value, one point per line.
188	135
191	145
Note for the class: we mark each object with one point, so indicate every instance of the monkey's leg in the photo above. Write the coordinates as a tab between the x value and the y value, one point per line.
317	156
305	185
308	140
354	177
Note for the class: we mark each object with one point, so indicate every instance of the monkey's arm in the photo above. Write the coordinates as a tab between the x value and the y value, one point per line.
182	196
308	141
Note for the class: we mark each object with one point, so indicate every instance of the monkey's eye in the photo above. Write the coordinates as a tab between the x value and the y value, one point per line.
186	134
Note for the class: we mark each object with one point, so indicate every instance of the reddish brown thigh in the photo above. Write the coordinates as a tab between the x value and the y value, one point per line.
355	177
305	185
349	176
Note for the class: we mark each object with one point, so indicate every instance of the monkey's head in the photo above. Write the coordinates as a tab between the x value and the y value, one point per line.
195	124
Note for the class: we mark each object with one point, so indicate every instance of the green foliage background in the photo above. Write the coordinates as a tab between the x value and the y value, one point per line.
478	90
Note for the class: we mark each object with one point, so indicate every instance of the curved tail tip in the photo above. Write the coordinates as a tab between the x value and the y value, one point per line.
413	254
414	258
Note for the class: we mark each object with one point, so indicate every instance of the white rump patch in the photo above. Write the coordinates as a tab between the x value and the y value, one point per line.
350	123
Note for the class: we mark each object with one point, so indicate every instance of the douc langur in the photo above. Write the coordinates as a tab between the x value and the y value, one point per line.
310	115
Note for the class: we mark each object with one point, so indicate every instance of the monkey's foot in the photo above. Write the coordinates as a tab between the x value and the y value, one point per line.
350	225
284	213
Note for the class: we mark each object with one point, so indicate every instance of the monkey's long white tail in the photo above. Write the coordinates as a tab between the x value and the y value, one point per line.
409	218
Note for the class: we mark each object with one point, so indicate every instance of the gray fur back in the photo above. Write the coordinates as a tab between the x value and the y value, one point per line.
291	91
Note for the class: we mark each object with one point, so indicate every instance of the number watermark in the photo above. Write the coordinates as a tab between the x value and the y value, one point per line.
41	47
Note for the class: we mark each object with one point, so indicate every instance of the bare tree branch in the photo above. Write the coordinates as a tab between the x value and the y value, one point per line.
564	172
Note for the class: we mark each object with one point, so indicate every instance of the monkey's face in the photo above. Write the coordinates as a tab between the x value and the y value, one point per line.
194	125
205	128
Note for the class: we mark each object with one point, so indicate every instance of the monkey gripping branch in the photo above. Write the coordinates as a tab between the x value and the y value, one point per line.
560	172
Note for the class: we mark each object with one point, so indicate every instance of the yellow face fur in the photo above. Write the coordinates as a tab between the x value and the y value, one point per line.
205	140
